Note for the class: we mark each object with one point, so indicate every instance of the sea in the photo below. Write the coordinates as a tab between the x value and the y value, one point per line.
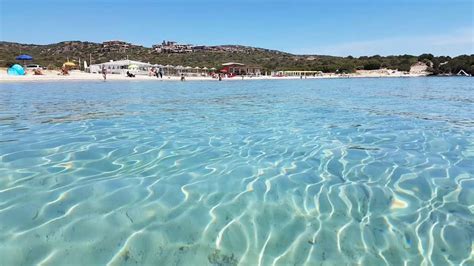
365	171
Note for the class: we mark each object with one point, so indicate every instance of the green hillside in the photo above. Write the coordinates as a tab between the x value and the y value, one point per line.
54	55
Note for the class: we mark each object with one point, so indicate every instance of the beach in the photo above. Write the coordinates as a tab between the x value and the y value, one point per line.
52	75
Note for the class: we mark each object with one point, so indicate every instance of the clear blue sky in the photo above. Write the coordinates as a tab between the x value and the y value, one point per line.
357	27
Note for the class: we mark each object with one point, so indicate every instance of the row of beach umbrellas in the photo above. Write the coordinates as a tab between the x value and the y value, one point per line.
26	57
185	67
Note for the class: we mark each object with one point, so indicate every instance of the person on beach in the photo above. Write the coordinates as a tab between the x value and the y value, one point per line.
104	73
182	77
161	73
220	77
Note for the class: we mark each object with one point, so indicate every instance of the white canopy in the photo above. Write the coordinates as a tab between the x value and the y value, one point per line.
233	64
125	63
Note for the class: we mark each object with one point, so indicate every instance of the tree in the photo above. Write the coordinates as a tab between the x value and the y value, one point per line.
424	57
372	65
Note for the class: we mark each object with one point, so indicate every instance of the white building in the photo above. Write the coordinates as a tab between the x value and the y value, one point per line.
121	67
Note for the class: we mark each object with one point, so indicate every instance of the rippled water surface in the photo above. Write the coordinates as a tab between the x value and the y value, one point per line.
304	172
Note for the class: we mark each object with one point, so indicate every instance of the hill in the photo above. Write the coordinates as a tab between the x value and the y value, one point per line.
54	55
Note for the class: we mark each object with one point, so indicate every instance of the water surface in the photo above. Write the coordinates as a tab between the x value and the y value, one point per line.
303	172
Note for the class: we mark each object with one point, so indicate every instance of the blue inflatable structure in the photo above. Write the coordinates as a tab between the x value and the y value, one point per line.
16	70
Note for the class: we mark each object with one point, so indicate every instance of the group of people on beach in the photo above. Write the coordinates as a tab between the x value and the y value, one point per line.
158	72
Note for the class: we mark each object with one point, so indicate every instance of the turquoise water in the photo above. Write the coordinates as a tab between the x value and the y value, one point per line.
303	172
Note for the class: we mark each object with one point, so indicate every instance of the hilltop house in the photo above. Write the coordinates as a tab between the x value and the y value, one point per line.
172	47
115	46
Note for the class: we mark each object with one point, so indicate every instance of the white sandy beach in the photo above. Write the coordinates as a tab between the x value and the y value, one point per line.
82	76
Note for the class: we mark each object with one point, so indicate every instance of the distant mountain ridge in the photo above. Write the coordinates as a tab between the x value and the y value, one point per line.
55	54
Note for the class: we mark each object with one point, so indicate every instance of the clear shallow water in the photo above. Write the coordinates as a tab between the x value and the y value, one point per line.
369	171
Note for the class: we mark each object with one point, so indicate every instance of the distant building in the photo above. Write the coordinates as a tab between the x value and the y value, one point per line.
115	46
234	68
201	48
173	47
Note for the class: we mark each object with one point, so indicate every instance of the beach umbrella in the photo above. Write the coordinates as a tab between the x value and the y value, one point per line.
205	68
132	67
69	64
24	57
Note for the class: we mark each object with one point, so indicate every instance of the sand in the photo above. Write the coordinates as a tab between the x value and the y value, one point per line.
82	76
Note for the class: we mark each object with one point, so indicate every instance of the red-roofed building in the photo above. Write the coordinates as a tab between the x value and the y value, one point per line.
233	68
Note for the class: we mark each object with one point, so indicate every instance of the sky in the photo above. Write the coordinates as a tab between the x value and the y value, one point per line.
338	27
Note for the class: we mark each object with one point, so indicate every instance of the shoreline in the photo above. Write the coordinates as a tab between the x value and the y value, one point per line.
81	76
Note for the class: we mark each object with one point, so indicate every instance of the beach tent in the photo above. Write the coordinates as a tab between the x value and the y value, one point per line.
24	57
16	70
